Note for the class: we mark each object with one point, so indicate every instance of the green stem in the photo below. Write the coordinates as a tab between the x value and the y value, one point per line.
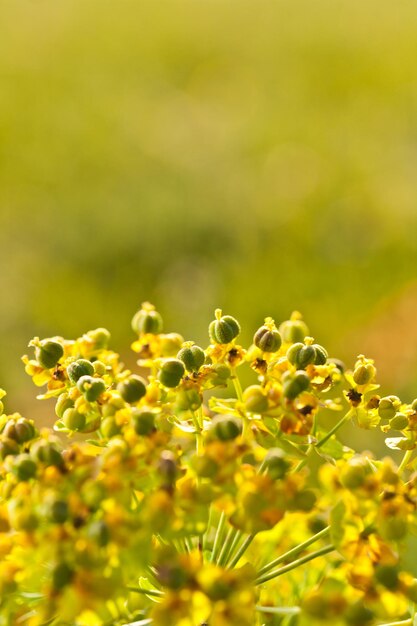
279	610
227	546
146	592
245	545
406	458
294	564
236	541
322	441
218	537
294	551
199	440
404	622
237	385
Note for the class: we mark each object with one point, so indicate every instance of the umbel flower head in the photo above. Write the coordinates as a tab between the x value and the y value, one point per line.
172	495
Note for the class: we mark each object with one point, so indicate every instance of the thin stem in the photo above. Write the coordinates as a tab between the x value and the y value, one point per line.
294	551
227	546
406	458
236	541
294	564
279	610
218	537
404	622
146	592
237	385
322	441
199	440
245	545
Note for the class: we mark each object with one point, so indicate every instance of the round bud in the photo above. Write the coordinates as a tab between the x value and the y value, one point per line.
21	431
132	389
301	355
24	467
276	464
295	385
62	575
387	575
193	357
387	407
171	372
111	407
91	388
188	398
58	511
364	373
304	500
147	320
358	615
353	473
224	328
321	354
143	421
255	399
63	403
109	427
8	447
73	420
393	528
99	368
220	374
170	343
267	339
293	330
399	422
48	353
226	427
79	368
47	453
100	338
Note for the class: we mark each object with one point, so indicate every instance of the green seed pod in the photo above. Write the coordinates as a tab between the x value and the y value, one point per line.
353	474
226	427
293	330
267	338
399	422
304	500
48	353
63	403
58	511
363	373
220	374
358	615
301	355
99	368
91	388
388	407
188	398
147	320
109	427
132	389
112	406
21	431
143	421
62	575
8	447
24	467
171	372
74	420
276	464
224	328
192	356
255	399
321	354
295	385
393	528
46	452
100	338
79	368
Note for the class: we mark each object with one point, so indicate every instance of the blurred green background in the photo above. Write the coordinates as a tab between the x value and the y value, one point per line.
255	156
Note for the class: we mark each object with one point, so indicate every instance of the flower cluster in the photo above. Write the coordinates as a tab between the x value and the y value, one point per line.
172	495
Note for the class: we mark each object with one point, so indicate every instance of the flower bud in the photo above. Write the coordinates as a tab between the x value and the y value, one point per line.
99	368
220	374
321	354
399	422
8	447
294	329
79	368
109	427
353	473
21	430
143	421
24	467
192	356
364	372
188	398
387	575
393	528
58	511
224	328
226	427
301	355
387	407
276	464
91	388
255	399
147	320
100	337
48	353
267	338
171	372
62	575
73	420
46	452
294	385
132	389
63	403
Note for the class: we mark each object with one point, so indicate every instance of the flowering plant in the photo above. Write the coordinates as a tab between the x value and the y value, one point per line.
174	496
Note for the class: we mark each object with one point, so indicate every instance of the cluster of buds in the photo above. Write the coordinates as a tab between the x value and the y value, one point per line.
173	495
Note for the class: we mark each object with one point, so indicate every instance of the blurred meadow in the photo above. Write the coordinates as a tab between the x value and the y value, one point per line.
259	156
